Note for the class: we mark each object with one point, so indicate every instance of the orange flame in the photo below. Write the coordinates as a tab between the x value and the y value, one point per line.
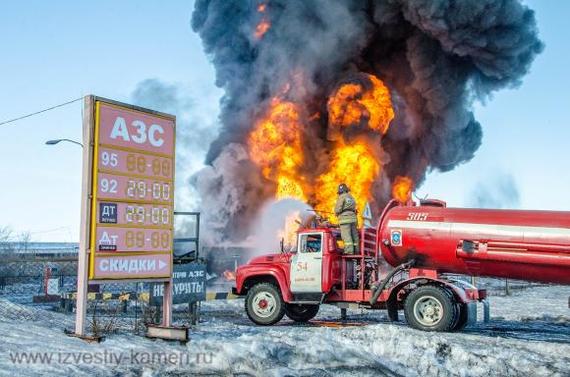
275	146
264	25
353	104
402	189
354	164
229	275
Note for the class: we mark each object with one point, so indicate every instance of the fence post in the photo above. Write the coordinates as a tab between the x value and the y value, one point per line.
507	287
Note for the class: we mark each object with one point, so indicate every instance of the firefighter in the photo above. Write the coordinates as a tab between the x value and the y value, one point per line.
345	210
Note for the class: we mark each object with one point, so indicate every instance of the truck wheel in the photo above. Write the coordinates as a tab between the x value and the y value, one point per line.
301	313
462	317
392	310
264	305
430	308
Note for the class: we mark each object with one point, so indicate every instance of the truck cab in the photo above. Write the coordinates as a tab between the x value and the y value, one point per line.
296	282
293	282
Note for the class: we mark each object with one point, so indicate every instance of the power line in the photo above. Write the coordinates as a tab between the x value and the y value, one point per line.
39	112
50	230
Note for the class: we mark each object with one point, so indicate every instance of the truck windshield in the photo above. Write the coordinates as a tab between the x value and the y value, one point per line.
310	243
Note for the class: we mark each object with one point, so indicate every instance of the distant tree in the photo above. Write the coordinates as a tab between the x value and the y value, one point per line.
5	239
11	243
5	233
23	241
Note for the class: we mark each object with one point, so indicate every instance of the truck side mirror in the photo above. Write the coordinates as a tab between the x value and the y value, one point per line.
282	244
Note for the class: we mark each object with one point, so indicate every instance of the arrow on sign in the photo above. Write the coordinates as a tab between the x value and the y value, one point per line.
130	266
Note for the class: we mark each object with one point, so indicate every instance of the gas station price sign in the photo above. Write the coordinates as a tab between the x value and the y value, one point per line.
132	194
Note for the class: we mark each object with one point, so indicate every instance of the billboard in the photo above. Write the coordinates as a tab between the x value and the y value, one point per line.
132	194
188	285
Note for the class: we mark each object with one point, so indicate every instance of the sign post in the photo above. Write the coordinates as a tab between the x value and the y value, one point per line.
83	257
127	209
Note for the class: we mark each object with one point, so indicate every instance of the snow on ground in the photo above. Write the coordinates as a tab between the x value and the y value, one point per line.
529	335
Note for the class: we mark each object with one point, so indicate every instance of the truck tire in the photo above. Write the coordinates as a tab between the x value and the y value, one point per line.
264	305
431	308
462	317
301	313
392	310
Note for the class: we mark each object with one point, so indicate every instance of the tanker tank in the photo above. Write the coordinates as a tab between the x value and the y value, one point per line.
514	244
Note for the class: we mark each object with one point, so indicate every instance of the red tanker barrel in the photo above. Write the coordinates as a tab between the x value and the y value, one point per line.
527	245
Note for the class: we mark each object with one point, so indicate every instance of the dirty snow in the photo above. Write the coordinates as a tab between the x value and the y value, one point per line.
529	335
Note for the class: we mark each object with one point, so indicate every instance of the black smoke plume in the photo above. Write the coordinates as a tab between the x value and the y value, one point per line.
436	56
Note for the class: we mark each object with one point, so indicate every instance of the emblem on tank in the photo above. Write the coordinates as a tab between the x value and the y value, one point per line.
396	237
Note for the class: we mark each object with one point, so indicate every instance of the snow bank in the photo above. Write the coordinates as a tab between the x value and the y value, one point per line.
227	343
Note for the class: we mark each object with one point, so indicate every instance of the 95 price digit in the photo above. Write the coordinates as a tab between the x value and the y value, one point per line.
135	163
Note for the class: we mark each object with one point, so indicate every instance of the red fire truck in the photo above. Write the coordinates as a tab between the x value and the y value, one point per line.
428	244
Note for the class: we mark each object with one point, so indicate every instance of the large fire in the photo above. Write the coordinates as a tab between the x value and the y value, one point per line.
276	145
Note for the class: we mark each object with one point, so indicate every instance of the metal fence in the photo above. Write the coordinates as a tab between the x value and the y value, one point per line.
50	282
25	277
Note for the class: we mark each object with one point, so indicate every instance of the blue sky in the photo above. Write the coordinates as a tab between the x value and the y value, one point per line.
56	51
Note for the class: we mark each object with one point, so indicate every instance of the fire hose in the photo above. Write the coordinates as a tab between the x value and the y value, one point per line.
386	280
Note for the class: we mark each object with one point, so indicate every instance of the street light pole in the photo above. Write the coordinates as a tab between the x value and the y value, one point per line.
56	141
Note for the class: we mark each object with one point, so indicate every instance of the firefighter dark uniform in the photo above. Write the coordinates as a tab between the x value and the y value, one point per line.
345	210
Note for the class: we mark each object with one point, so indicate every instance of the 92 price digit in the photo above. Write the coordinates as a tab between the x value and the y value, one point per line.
139	189
109	185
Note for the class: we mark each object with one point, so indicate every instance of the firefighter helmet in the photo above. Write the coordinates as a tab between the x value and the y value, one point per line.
342	188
